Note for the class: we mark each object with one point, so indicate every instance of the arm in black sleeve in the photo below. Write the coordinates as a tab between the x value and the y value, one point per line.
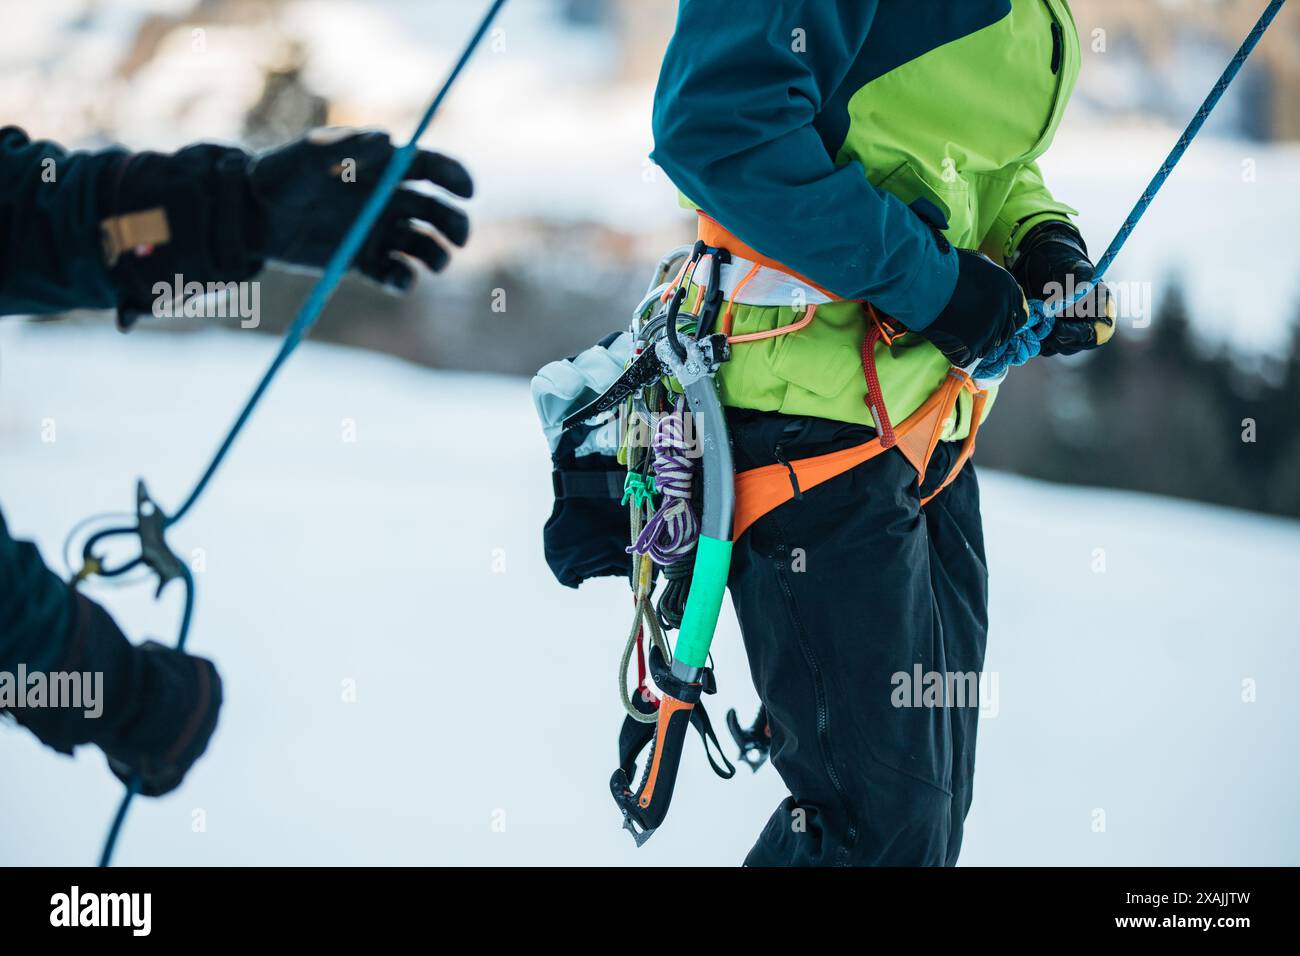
154	708
37	609
50	253
110	228
45	627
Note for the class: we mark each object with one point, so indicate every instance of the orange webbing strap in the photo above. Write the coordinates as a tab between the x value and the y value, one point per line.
762	490
980	398
676	284
731	304
714	234
765	489
809	314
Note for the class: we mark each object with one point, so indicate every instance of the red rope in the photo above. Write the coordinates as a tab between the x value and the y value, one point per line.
875	398
642	683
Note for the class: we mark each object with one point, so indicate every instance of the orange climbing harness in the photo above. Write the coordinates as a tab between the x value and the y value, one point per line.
762	490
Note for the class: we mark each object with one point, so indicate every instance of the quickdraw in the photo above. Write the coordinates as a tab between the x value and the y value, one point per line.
684	349
151	522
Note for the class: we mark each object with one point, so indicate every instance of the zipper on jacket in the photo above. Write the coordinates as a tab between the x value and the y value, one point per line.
1059	54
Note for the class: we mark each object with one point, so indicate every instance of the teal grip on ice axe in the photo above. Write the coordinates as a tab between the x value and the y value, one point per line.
708	587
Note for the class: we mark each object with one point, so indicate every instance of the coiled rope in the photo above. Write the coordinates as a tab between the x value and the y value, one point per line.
674	529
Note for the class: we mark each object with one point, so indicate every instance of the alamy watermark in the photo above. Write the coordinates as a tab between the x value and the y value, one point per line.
209	300
1132	300
133	911
921	688
61	690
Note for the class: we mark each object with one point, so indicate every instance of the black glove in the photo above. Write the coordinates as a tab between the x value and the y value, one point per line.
986	309
158	709
308	193
211	214
162	215
166	728
1053	262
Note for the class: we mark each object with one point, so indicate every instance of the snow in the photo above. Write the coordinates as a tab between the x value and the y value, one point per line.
484	726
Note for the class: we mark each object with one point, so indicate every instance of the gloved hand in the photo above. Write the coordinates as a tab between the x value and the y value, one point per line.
986	309
1051	263
157	710
212	214
308	193
162	732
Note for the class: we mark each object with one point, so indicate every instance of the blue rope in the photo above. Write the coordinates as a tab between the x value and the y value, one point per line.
133	785
340	261
1028	341
311	310
115	829
1024	345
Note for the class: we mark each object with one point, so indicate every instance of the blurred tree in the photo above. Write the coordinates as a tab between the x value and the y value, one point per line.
287	107
1158	413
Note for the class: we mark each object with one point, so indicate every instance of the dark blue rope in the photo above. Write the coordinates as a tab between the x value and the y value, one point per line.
339	262
115	830
1180	148
1026	343
133	785
311	310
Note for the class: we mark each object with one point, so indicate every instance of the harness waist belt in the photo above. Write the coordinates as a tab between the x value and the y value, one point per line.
754	279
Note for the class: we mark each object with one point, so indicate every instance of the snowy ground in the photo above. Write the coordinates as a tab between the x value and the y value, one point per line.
484	725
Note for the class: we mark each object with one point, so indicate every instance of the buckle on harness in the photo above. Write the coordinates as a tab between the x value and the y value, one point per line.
889	331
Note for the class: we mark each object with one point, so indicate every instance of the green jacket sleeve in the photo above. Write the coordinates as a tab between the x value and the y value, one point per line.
1029	204
734	130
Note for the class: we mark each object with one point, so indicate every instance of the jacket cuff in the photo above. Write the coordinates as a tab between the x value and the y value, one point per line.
1003	241
928	294
176	219
102	659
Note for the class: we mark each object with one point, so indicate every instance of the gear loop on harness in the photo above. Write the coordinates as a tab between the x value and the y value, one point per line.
672	531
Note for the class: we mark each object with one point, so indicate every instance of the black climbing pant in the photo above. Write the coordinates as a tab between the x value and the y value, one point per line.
864	616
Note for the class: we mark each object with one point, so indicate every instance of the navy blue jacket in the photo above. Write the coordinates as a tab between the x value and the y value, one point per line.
50	260
749	125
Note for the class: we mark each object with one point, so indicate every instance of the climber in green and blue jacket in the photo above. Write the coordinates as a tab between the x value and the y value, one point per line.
886	152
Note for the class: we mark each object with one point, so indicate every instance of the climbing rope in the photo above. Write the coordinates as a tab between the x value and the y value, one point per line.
673	531
1024	345
670	533
321	292
677	588
1028	341
643	621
